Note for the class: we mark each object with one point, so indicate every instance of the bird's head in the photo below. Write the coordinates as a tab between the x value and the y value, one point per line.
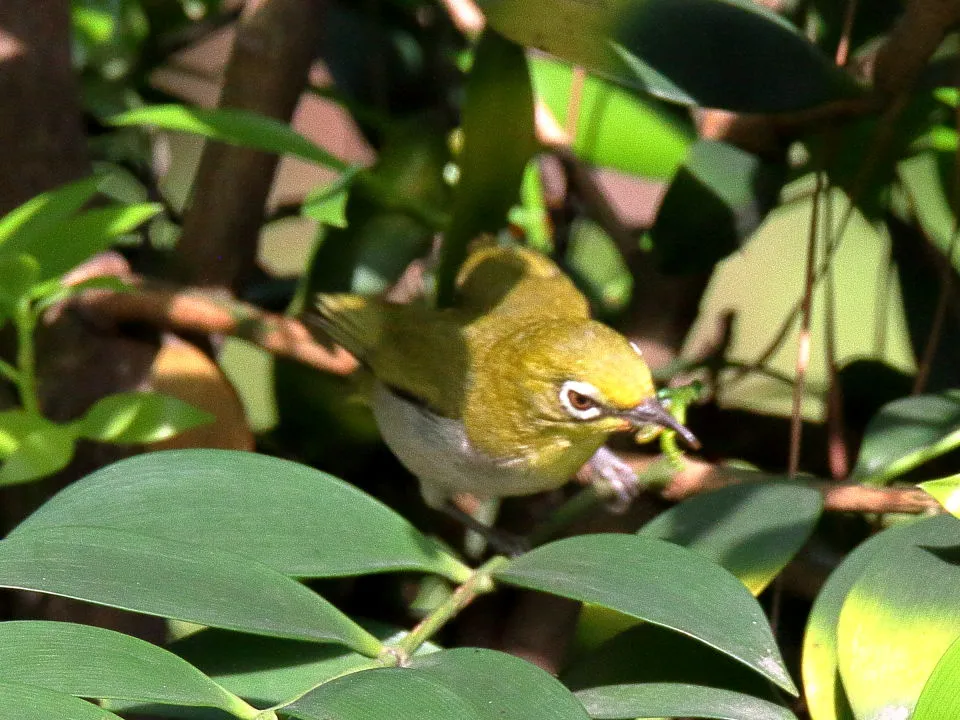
572	381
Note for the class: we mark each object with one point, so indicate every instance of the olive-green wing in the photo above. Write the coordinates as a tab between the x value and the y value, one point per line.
413	349
517	283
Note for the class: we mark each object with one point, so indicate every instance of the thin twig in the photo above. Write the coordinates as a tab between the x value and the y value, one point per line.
803	343
577	80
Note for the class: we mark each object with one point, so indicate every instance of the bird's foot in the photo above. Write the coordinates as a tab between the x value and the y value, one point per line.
615	477
503	542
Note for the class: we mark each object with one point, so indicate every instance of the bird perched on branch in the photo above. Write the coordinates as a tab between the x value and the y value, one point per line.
510	392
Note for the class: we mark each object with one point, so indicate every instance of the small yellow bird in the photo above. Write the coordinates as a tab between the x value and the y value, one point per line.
509	392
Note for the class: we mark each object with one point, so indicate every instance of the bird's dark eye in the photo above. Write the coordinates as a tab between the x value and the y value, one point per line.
579	401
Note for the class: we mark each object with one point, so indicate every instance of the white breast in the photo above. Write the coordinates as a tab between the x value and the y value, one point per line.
436	449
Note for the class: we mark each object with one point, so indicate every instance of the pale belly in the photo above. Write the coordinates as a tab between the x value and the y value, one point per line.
436	449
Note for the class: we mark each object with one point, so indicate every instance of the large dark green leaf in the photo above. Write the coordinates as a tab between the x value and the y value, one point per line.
28	702
732	191
902	609
94	662
498	140
267	671
461	683
230	125
616	702
615	128
658	582
174	580
139	417
734	55
291	517
752	529
825	694
906	433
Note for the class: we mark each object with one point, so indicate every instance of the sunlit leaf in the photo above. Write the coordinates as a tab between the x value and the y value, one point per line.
752	529
139	417
22	228
32	447
231	125
940	699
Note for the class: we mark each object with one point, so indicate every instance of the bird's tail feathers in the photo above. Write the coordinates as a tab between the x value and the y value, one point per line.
352	321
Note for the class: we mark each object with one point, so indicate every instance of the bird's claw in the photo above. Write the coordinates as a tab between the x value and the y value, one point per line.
620	479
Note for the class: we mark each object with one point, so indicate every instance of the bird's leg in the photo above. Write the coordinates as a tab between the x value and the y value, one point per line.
607	469
503	542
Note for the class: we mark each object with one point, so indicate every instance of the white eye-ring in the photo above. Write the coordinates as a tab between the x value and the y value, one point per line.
580	399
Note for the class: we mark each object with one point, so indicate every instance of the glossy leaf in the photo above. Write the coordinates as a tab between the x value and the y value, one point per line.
940	699
946	492
94	662
27	702
230	125
648	654
461	683
615	128
173	580
83	236
138	418
734	55
907	433
752	529
732	190
24	227
626	702
283	669
498	141
903	610
615	571
32	447
291	517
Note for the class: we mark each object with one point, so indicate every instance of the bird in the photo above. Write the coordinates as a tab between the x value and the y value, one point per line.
508	392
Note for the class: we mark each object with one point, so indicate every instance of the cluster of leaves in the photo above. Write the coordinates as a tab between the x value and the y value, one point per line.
39	242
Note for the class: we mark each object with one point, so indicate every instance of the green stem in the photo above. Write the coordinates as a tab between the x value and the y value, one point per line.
9	372
480	582
26	360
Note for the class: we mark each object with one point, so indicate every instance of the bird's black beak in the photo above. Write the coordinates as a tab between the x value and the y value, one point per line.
653	412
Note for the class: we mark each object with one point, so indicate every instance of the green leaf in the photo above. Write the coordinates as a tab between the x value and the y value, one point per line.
732	191
18	274
625	660
233	126
80	237
24	227
383	694
899	618
291	517
32	447
53	291
946	492
752	529
97	663
26	702
614	702
615	128
498	141
284	668
461	683
615	571
940	699
174	580
824	692
596	264
926	177
907	433
734	55
139	418
327	204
